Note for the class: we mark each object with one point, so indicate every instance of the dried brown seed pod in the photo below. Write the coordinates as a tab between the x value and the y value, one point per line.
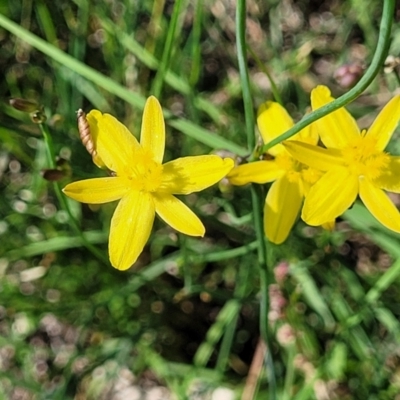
53	175
24	105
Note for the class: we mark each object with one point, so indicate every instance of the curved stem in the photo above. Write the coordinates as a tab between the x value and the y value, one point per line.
255	192
365	81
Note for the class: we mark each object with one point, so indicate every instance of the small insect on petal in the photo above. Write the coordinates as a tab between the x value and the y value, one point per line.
84	132
86	138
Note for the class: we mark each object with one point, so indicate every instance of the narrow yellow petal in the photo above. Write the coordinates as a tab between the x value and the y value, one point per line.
97	190
307	135
337	129
380	206
314	156
130	228
113	142
152	136
329	226
281	210
191	174
255	172
332	195
272	121
178	215
389	179
385	123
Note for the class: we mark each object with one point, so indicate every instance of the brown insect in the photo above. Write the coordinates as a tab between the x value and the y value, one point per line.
86	138
84	132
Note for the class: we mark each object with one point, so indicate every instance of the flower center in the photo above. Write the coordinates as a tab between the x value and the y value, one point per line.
295	170
146	174
362	157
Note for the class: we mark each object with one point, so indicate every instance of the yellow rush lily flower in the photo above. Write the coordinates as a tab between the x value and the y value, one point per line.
355	164
142	183
292	180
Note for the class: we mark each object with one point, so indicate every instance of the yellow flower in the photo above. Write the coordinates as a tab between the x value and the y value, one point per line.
355	164
292	179
142	183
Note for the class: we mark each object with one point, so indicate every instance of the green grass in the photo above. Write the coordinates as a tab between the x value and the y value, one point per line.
190	315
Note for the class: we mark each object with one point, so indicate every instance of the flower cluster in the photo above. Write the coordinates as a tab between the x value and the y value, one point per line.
352	163
321	182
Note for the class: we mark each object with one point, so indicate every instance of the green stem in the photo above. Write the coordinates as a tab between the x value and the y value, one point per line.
263	68
61	197
168	47
196	46
255	193
365	81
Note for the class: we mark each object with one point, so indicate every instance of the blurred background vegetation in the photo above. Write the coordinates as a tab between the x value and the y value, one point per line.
184	323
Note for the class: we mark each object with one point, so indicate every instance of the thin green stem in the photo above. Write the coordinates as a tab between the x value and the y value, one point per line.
365	81
168	47
229	334
290	373
48	141
196	47
263	68
255	193
61	197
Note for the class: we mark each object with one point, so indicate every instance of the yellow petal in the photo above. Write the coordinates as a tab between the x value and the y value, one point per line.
272	121
329	226
332	195
191	174
113	142
282	207
337	129
130	228
385	123
389	179
380	206
314	156
152	136
178	215
307	135
255	172
97	190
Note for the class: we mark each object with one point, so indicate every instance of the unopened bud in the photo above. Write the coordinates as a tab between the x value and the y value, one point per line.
63	170
348	75
38	117
27	106
53	174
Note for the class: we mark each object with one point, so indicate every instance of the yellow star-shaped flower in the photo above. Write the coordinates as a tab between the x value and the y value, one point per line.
142	183
292	179
355	164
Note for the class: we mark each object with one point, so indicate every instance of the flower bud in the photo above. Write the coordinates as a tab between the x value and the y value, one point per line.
27	106
38	117
53	174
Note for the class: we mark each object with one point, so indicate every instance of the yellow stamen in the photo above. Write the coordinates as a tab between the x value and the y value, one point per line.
363	159
146	174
